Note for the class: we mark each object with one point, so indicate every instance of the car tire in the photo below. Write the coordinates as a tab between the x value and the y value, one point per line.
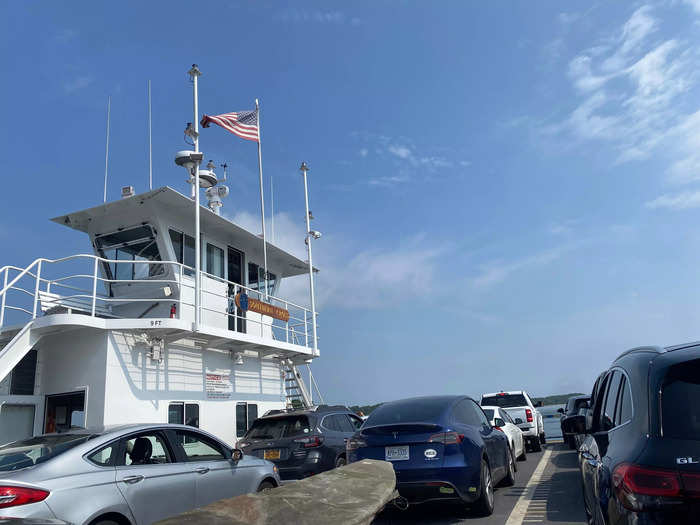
543	439
484	504
341	461
536	445
105	522
523	456
509	479
266	486
571	440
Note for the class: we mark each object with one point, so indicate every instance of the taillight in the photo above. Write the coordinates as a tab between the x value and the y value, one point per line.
528	415
632	483
446	438
355	443
310	442
498	428
691	485
14	496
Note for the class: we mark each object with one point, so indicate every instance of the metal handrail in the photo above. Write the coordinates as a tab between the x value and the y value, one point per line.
296	327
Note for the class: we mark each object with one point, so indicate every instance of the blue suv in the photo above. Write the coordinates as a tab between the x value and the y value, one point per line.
442	447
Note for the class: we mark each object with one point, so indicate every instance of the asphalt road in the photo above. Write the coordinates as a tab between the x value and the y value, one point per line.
547	490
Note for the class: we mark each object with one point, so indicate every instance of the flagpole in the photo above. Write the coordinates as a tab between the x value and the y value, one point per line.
262	197
194	73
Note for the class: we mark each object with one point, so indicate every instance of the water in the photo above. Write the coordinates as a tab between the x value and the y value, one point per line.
550	418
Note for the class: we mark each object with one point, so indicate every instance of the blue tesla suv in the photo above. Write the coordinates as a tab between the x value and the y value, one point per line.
442	447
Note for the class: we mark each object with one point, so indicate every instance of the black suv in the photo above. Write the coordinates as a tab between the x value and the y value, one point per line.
302	442
640	459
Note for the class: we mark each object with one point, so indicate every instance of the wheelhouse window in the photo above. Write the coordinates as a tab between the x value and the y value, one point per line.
184	248
256	278
130	245
215	261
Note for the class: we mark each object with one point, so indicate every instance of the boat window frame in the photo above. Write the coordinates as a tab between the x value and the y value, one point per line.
100	250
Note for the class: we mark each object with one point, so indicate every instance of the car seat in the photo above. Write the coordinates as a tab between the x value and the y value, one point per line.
141	453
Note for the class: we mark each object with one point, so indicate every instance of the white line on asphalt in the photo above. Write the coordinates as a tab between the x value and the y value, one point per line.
517	515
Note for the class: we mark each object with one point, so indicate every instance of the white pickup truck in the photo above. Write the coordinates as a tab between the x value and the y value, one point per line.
523	411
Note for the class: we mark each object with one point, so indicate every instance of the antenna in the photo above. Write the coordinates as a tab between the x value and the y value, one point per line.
150	148
272	211
109	107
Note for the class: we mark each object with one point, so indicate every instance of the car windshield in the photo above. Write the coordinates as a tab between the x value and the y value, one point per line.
29	452
407	411
680	401
489	413
504	400
279	427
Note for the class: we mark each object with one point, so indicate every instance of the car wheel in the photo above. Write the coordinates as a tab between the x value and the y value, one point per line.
512	453
509	480
523	456
266	486
104	522
484	505
572	442
543	439
341	462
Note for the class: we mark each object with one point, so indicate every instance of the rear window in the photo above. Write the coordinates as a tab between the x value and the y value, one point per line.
29	452
409	411
504	400
279	427
680	401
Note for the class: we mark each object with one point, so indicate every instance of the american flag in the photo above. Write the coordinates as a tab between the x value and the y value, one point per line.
241	123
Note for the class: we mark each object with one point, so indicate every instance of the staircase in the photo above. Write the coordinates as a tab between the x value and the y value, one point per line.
297	395
12	352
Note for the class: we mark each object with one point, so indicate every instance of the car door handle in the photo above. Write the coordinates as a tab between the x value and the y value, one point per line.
201	470
132	479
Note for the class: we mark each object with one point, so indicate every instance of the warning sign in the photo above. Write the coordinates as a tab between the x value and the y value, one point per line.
219	386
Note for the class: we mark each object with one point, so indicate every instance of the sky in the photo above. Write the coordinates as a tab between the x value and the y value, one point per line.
508	193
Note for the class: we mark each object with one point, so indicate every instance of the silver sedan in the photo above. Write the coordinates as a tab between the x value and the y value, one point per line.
134	474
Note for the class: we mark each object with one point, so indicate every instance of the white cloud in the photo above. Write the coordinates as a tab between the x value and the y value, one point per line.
402	152
694	4
363	152
77	83
630	89
497	271
316	16
368	278
679	201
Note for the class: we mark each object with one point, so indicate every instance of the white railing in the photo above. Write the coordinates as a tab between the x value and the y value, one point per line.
81	284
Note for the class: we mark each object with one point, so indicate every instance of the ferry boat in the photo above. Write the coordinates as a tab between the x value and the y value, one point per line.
126	333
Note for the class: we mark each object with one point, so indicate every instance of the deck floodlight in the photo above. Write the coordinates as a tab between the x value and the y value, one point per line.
238	358
315	234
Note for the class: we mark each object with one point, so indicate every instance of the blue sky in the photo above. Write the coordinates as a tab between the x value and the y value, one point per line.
508	193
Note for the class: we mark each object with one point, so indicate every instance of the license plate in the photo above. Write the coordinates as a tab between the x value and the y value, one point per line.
273	453
396	453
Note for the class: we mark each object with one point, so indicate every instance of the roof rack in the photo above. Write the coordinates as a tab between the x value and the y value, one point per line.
315	408
640	349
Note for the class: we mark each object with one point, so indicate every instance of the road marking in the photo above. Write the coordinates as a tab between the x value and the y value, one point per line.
517	515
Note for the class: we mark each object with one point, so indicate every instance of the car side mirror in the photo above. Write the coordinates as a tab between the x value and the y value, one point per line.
584	405
560	410
236	455
518	421
498	422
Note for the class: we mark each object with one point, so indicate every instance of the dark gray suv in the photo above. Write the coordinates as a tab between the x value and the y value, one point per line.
302	442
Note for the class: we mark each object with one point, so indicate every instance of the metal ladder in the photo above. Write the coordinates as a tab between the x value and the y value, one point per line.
296	394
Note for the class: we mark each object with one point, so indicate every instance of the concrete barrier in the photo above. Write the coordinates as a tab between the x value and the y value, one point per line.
351	495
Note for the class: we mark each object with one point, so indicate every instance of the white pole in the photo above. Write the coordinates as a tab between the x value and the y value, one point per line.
109	107
194	73
262	196
304	169
150	148
272	211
